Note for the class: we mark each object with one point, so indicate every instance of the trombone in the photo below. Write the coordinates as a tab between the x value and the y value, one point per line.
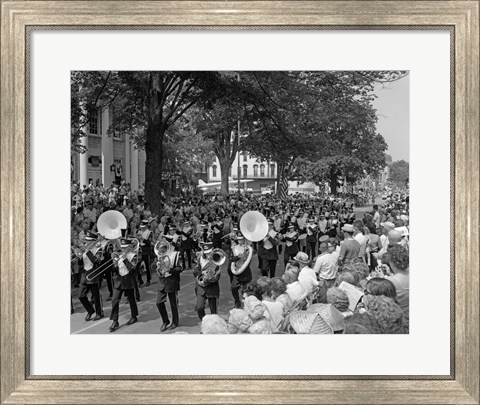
109	225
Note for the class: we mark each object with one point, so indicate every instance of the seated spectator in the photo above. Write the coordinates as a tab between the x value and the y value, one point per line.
279	293
387	313
399	264
381	286
349	276
339	300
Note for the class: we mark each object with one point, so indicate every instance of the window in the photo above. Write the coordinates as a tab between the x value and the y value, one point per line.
230	171
244	157
245	170
93	122
214	171
272	170
255	170
262	170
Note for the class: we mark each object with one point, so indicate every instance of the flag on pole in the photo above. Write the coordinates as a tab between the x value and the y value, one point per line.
284	188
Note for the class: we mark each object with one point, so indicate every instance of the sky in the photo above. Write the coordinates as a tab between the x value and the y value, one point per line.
392	105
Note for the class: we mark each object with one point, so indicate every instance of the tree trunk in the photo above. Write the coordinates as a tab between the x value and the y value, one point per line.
333	181
153	166
224	170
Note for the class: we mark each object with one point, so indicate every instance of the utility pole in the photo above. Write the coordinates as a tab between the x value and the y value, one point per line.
238	150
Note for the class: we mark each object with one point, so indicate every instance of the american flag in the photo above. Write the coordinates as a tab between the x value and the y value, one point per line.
284	188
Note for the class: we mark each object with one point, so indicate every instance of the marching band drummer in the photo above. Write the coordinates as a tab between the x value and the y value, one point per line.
90	262
123	274
206	291
169	285
291	246
239	281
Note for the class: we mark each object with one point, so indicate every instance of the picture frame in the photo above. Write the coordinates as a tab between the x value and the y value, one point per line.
16	383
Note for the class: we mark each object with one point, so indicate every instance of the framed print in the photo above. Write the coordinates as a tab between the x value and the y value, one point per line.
91	68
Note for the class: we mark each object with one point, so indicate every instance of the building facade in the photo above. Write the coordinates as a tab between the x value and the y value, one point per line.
262	173
105	154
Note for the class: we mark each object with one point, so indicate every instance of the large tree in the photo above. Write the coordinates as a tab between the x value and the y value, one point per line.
319	124
149	105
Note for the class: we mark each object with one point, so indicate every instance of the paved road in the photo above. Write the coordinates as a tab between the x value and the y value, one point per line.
149	319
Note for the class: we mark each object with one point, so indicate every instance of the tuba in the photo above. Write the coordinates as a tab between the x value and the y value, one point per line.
163	259
245	252
110	224
211	267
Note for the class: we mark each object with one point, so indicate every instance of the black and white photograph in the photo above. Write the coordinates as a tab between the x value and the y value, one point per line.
240	202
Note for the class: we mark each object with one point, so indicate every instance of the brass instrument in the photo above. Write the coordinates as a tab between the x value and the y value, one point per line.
109	225
163	259
210	266
254	226
245	252
126	253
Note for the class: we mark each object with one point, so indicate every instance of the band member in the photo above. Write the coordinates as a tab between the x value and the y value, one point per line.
144	237
311	239
217	233
90	262
123	274
268	247
169	285
207	286
107	274
186	244
291	246
240	257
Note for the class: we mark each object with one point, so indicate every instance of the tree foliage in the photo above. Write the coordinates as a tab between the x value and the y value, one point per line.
315	125
399	171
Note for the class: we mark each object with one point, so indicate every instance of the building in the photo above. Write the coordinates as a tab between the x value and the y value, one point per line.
263	174
104	152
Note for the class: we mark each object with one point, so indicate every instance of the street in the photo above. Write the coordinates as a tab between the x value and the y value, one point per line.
149	318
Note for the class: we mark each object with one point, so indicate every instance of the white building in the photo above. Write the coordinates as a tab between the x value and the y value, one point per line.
104	151
263	173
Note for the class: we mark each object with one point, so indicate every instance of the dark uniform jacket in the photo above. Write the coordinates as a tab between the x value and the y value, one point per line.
126	282
242	278
171	283
268	254
210	290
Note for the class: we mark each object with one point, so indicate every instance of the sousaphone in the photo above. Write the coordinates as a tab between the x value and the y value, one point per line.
254	226
111	223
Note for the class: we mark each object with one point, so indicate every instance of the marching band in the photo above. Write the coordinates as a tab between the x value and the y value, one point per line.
122	255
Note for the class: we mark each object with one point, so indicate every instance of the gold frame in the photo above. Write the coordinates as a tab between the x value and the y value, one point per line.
17	387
